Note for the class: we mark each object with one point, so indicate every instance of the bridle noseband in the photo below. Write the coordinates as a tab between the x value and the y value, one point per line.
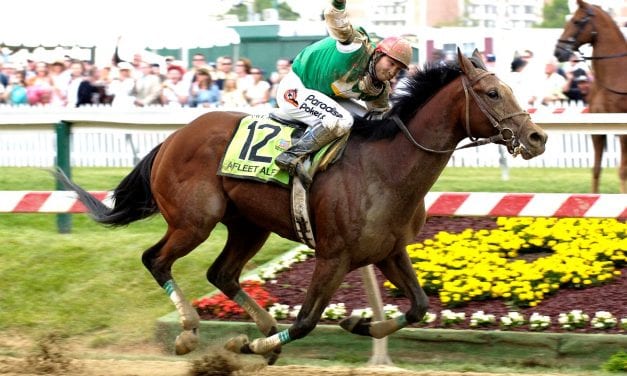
506	135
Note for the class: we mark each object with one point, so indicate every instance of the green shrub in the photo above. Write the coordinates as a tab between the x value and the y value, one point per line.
617	363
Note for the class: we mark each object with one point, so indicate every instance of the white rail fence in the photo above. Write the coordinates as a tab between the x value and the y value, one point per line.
103	137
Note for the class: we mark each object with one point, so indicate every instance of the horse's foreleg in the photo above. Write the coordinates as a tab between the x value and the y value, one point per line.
399	271
598	143
158	260
622	169
326	278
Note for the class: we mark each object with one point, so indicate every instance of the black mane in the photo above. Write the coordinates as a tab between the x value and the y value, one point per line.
418	89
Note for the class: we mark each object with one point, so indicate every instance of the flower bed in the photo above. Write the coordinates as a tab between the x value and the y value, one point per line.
569	276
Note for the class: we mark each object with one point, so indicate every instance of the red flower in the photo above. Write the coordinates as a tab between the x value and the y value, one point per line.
223	307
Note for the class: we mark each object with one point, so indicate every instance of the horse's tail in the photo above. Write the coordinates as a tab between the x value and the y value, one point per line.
133	199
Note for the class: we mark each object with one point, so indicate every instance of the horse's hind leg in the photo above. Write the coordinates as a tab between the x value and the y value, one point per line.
598	143
158	259
244	241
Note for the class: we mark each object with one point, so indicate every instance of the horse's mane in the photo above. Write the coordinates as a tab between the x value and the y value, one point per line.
417	91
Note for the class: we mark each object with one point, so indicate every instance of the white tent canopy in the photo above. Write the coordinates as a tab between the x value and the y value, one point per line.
153	24
199	35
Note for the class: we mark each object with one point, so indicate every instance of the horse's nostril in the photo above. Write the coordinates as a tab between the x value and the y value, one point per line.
538	138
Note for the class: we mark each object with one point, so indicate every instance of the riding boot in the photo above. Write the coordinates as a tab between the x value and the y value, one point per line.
312	140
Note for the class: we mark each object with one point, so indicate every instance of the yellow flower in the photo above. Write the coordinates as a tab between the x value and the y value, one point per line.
477	263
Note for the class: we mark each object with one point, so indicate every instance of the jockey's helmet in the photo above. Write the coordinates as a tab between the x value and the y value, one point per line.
397	48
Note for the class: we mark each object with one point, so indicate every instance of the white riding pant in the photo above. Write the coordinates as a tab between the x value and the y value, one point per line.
311	106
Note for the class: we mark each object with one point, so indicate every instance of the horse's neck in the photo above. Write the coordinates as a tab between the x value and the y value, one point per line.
435	126
610	41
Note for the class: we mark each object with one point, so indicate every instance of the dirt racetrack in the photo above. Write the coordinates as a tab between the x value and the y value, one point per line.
19	356
114	367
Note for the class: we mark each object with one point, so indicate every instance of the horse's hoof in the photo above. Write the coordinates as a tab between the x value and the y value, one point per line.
356	325
272	356
235	344
186	342
350	322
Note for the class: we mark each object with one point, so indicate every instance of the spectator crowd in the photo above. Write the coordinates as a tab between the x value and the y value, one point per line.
72	83
225	82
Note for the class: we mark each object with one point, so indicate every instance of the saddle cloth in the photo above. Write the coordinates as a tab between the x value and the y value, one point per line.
259	139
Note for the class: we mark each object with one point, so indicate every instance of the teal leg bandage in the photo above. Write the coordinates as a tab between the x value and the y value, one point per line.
401	321
284	337
169	287
240	298
339	5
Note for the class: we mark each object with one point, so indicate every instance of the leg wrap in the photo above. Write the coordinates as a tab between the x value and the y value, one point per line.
265	345
188	315
384	328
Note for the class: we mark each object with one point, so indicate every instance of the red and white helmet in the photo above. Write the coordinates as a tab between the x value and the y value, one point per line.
397	48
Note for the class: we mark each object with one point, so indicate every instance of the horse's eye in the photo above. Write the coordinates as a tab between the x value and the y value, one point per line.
493	94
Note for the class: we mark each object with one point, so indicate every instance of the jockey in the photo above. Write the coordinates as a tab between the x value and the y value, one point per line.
344	65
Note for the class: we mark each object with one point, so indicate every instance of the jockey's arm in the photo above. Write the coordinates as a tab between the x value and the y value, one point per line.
338	25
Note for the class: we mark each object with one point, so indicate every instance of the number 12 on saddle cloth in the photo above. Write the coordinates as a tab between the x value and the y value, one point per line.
256	142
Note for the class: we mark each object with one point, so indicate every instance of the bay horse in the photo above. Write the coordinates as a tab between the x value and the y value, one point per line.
590	24
365	208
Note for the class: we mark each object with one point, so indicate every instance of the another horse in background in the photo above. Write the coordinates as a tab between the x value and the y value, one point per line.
365	208
590	24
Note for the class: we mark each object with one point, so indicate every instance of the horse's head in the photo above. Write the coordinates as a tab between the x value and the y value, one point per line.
578	31
497	114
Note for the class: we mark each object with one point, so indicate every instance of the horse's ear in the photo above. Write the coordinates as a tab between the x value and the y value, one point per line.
581	3
465	64
477	59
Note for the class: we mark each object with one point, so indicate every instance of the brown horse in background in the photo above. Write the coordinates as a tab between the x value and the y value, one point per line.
590	24
365	208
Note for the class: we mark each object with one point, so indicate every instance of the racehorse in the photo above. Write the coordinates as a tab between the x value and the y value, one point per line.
365	208
590	24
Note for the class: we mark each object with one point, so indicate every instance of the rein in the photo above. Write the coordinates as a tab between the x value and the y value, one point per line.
602	57
505	134
581	24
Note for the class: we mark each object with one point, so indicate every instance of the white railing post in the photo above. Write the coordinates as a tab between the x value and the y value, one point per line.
379	346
